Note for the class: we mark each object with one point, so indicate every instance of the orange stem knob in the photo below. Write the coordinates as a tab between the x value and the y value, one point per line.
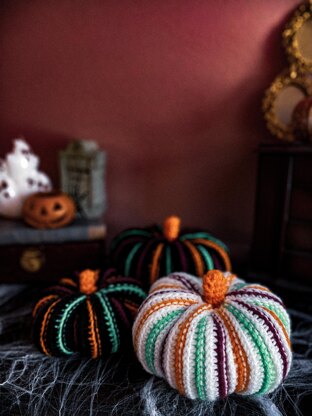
88	281
171	227
215	286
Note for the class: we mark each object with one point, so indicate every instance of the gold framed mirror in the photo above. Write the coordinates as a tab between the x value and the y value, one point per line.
280	100
297	37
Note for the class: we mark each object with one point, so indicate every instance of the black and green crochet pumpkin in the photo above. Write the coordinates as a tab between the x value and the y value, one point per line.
149	253
89	314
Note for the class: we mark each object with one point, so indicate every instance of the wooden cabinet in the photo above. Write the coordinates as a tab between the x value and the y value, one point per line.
30	255
282	241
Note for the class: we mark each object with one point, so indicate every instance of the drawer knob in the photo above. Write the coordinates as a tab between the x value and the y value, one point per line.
32	260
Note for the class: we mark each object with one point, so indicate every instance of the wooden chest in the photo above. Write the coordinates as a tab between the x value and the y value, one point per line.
30	255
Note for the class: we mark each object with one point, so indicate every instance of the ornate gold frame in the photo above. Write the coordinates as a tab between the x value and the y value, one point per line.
287	77
302	14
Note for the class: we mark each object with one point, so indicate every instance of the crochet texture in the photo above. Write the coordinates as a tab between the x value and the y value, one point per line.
90	315
149	253
213	337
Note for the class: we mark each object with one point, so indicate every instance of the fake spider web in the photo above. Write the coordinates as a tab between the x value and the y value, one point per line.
33	384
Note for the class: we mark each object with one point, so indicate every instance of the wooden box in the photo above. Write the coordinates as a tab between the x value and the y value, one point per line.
31	255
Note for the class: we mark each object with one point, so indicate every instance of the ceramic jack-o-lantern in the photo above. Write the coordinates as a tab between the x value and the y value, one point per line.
49	210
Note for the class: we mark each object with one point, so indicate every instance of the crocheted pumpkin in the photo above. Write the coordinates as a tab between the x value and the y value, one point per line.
91	315
155	252
213	337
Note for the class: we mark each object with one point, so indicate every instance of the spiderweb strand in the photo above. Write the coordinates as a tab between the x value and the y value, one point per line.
33	384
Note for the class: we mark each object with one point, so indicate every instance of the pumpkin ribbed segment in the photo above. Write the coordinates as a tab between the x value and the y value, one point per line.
213	337
90	314
150	253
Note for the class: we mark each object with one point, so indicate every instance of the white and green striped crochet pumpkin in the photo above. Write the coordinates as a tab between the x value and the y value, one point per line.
214	336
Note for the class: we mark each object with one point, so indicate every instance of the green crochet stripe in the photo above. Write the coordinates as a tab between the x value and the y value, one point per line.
238	286
250	328
280	314
200	358
206	236
206	256
124	287
62	323
130	258
109	318
129	233
157	328
168	260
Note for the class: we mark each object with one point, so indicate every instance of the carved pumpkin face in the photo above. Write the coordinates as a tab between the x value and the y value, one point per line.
49	210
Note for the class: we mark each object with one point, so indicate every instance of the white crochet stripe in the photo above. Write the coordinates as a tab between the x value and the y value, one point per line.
189	358
170	348
212	383
254	359
275	307
264	338
171	280
146	328
230	364
155	299
270	344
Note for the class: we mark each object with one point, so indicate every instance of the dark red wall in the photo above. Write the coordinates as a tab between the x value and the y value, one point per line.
171	90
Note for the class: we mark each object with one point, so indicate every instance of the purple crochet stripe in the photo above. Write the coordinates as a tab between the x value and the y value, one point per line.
187	284
182	255
121	312
221	359
216	261
108	273
253	292
275	334
125	242
143	254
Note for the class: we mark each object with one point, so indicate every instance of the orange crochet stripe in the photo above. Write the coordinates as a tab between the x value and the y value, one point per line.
160	287
155	263
280	324
92	337
68	281
240	356
180	345
259	287
133	308
197	259
41	302
220	250
156	307
44	325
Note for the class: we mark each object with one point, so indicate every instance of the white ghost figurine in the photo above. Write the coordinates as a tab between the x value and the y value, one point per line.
20	177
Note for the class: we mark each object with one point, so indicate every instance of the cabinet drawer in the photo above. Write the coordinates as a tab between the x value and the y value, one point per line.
48	262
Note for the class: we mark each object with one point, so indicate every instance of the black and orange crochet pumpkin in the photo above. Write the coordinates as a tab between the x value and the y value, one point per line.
89	314
149	253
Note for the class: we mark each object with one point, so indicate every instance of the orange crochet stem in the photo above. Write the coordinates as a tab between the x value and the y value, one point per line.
215	286
171	227
88	281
